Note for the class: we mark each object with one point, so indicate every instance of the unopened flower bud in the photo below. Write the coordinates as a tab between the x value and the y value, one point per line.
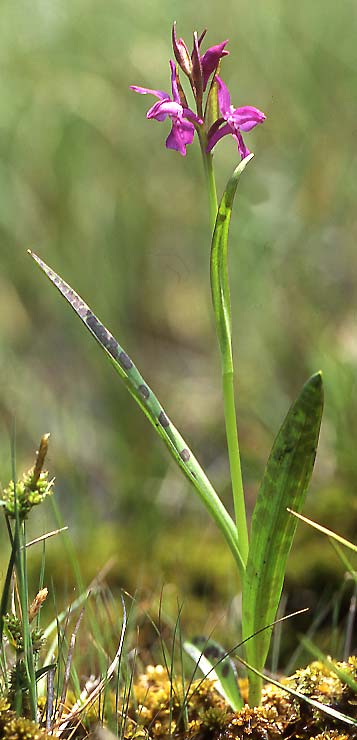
181	52
197	73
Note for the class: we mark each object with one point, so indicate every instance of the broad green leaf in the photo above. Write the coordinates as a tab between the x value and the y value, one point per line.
214	663
284	484
152	408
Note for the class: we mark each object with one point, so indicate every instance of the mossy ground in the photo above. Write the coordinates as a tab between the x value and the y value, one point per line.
161	709
160	712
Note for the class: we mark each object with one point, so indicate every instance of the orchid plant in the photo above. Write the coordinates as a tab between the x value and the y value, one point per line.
261	551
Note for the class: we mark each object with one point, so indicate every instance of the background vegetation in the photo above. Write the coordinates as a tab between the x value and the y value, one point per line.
87	183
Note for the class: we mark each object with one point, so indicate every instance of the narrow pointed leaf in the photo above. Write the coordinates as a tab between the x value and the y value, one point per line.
284	484
151	407
214	663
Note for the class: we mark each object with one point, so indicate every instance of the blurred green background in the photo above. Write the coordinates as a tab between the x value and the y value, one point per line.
87	183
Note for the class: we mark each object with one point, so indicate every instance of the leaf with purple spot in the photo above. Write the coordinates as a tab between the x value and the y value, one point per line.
212	660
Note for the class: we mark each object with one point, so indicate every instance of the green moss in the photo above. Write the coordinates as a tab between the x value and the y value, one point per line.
159	709
20	728
17	728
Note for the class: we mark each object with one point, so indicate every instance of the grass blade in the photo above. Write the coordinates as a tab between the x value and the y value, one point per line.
152	408
284	484
324	530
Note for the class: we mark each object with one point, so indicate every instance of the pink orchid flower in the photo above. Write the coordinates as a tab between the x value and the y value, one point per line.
183	130
234	120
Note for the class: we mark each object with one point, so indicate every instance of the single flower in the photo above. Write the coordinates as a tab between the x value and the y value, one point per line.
183	130
233	120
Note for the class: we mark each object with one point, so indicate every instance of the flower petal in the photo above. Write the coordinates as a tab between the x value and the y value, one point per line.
188	113
242	148
174	87
247	117
147	91
217	135
224	97
197	71
180	136
210	60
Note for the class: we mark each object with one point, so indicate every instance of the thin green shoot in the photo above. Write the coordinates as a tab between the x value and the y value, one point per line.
68	664
40	587
341	554
50	698
171	672
351	620
169	663
322	610
79	707
183	676
129	686
19	539
277	636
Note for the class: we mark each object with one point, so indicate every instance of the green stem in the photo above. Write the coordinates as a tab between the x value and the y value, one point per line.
234	463
228	383
210	179
27	638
